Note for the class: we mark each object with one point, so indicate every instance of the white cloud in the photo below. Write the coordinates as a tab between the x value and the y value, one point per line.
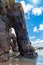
38	29
41	27
35	29
37	42
33	37
37	11
26	7
29	8
34	2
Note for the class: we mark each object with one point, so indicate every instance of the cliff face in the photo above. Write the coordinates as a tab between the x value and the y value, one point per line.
13	17
4	38
17	21
4	42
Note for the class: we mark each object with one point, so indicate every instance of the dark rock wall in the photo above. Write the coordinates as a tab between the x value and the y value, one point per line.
12	16
17	21
4	37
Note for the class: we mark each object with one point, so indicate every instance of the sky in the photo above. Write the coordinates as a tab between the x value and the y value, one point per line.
33	12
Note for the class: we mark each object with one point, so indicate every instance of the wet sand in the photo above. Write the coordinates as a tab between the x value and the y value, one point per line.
24	61
18	63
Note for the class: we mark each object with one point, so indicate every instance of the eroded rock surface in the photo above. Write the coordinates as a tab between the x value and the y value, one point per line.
17	21
13	17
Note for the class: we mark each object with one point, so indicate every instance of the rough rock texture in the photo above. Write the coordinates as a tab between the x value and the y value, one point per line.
13	17
13	40
17	21
4	37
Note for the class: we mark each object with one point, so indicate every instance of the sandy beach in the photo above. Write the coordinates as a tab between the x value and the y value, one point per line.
25	61
18	63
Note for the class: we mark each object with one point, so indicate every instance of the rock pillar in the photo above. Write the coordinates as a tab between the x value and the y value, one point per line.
17	21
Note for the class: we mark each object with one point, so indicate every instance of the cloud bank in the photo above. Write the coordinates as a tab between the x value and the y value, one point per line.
37	42
36	11
26	7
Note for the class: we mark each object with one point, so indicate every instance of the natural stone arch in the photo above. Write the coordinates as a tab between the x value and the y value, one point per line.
16	11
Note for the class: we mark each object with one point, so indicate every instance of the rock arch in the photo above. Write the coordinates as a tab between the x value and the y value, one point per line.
15	19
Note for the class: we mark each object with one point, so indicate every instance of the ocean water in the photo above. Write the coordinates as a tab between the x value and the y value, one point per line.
39	60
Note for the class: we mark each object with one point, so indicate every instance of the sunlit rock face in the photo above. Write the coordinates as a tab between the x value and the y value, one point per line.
13	40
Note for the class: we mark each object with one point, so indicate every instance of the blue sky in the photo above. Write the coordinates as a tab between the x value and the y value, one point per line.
33	11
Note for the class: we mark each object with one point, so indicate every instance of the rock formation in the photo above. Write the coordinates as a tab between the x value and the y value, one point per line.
14	18
4	37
